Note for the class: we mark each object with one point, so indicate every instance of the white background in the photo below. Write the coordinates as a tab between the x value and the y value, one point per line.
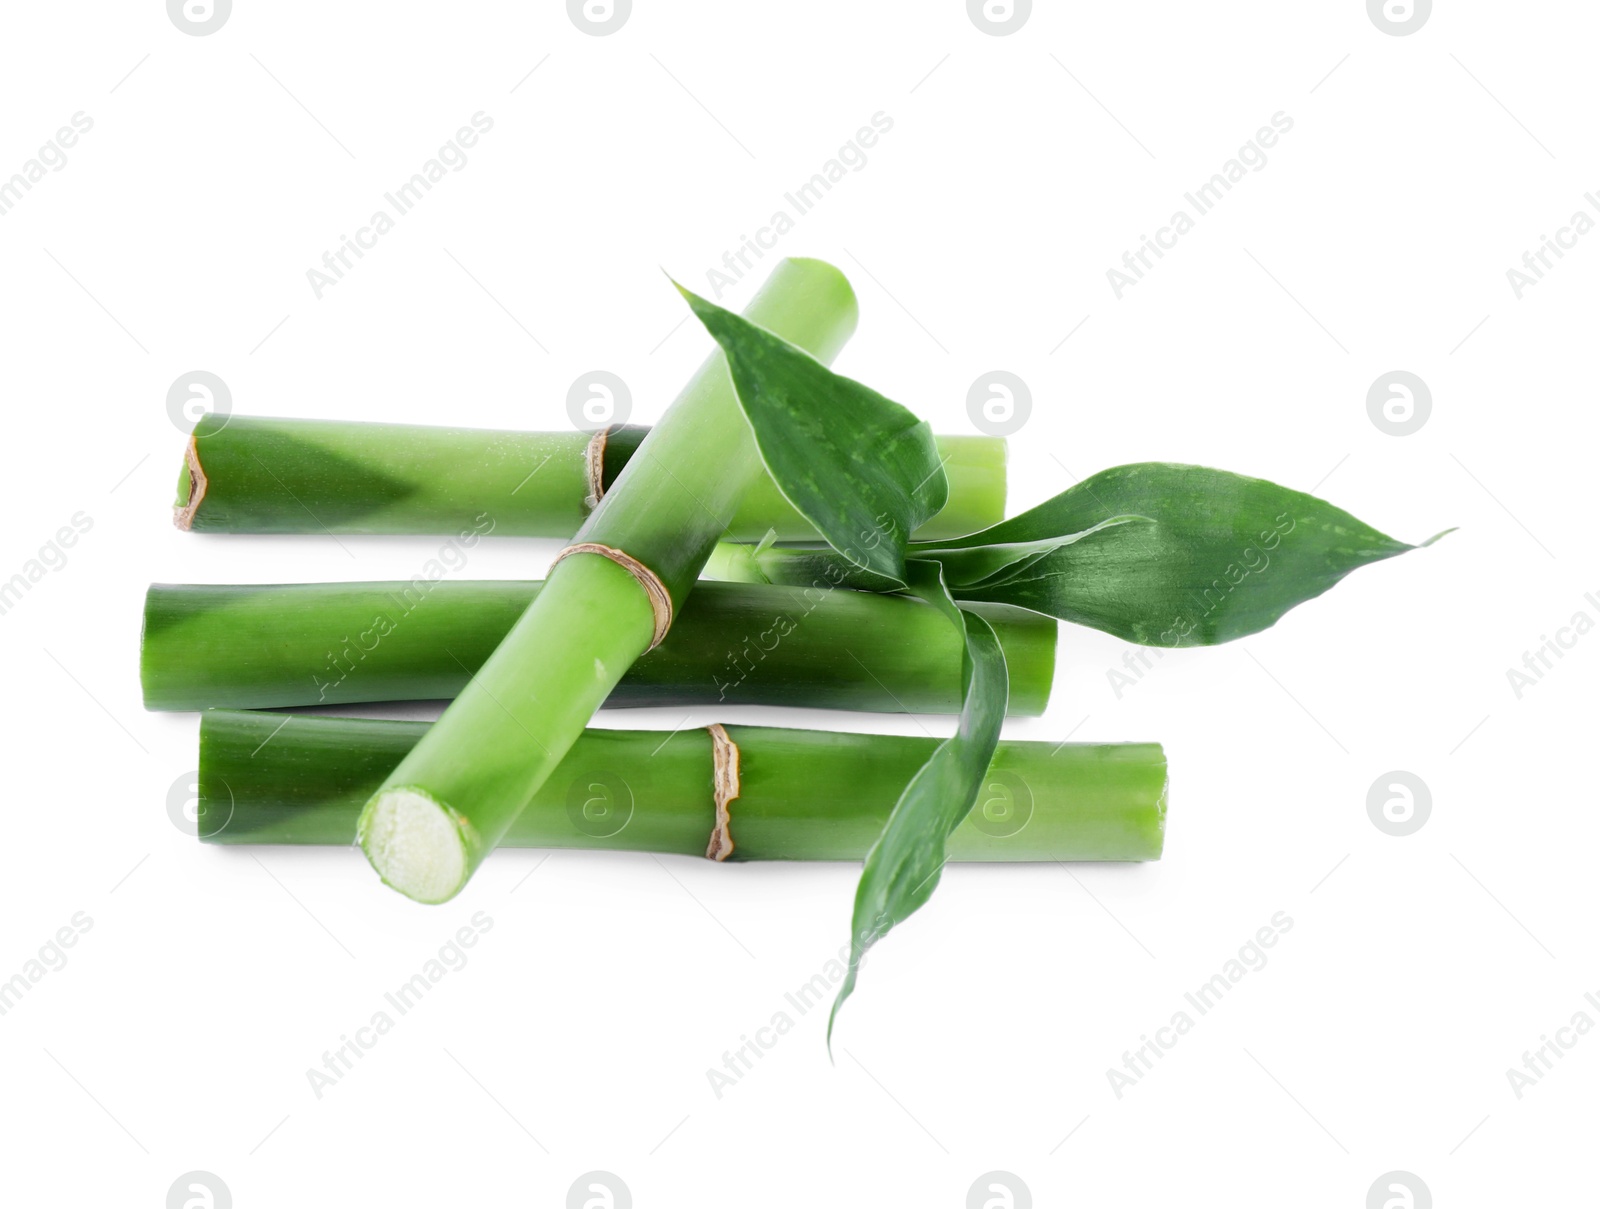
1019	170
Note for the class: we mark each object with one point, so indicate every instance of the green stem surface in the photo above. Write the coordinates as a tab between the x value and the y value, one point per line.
263	646
454	796
271	475
804	795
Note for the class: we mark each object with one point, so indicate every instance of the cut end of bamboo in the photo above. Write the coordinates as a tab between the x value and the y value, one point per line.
725	783
189	496
415	843
1161	817
594	467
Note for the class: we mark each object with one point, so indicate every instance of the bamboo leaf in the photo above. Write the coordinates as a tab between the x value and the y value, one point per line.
979	569
903	866
860	467
1223	556
968	572
1155	553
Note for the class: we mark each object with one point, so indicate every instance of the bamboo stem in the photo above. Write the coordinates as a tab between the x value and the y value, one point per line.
265	646
803	795
258	474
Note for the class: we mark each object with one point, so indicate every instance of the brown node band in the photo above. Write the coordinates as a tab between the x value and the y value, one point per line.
725	780
594	465
183	516
656	591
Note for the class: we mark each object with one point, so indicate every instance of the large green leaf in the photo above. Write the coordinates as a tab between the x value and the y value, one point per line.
860	467
903	866
1155	553
1224	555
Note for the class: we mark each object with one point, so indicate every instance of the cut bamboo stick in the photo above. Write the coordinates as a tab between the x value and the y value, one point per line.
802	794
257	474
267	646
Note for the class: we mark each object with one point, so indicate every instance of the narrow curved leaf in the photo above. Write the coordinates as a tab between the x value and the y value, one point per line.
1225	556
860	467
903	866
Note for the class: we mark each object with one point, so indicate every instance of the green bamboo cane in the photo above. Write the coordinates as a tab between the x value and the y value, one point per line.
631	567
264	646
252	474
803	794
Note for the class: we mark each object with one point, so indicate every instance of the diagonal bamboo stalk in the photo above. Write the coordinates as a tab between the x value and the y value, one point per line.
454	796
